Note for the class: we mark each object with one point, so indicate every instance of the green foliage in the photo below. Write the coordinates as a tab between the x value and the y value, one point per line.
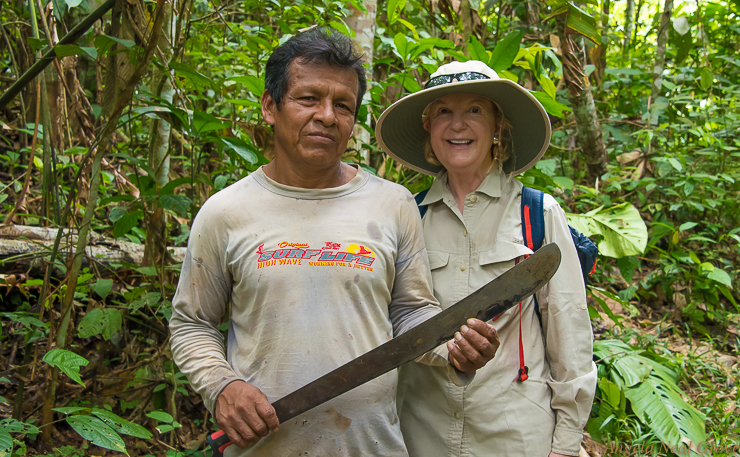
68	362
653	396
104	322
621	227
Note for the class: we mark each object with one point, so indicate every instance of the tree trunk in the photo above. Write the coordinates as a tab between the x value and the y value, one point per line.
588	128
23	247
363	24
599	53
159	153
533	17
665	22
628	15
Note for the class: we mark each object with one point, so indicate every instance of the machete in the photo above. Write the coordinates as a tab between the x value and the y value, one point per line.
494	298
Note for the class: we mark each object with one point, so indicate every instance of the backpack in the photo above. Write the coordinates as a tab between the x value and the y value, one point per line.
533	234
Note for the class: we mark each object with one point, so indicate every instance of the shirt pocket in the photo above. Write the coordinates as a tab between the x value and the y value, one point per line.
499	258
438	259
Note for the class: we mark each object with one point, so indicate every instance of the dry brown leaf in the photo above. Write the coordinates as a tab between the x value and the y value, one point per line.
628	157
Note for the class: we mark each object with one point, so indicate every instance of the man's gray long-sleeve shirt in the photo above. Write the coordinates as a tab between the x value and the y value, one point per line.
314	278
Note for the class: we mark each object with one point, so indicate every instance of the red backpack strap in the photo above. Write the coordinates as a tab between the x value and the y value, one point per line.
523	369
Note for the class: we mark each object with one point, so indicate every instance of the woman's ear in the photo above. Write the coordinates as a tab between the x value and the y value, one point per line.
427	124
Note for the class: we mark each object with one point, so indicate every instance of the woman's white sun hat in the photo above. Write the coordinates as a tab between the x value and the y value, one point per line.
401	134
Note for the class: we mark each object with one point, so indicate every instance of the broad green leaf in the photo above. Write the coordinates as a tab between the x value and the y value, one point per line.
687	226
477	51
409	26
675	164
121	425
253	84
6	443
116	213
65	50
394	9
683	44
104	322
161	416
505	52
103	287
342	27
126	223
3	400
623	230
204	122
717	274
706	79
563	182
242	148
104	43
72	409
67	361
15	426
583	23
401	44
178	203
94	430
659	403
195	78
553	107
547	85
170	187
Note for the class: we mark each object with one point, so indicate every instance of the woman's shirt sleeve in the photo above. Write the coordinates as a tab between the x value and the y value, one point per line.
568	337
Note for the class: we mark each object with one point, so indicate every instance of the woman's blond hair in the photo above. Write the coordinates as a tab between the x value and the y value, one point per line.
502	132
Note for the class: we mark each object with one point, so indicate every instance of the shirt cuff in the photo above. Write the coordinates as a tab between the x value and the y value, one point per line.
211	396
566	441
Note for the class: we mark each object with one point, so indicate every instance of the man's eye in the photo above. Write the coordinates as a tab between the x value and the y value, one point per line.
475	110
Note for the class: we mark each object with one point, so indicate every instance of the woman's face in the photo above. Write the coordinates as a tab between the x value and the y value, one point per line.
461	127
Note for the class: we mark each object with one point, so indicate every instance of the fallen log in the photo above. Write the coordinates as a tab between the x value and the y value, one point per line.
24	247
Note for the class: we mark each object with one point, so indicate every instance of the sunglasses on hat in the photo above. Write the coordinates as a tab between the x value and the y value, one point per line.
457	77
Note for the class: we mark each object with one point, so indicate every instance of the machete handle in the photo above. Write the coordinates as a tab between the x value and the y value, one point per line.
219	441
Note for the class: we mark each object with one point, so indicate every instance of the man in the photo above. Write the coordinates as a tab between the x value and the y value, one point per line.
319	262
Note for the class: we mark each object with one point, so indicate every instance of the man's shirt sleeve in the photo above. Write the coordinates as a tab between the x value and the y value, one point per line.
199	306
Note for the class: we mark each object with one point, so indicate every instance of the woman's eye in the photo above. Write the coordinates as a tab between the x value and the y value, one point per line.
475	110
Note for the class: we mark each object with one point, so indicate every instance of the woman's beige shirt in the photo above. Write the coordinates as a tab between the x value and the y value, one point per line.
496	415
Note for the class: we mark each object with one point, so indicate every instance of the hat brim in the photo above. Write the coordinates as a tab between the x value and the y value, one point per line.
401	134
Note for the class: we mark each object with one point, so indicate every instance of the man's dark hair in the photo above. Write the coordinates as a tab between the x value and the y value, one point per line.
320	45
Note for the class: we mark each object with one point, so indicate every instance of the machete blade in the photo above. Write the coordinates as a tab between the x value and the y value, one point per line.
494	298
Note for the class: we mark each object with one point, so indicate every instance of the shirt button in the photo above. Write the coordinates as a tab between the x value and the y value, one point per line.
465	232
463	267
473	198
458	415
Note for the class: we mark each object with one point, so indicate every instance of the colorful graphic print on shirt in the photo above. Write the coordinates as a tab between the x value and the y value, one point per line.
330	255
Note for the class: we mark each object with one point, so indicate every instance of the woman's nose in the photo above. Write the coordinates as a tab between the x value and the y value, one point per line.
458	121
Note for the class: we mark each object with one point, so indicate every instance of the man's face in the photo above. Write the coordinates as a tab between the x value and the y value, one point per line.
315	120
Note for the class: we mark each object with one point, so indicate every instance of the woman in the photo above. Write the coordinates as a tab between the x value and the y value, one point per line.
476	131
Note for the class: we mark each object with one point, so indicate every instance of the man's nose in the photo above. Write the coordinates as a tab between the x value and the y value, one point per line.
325	112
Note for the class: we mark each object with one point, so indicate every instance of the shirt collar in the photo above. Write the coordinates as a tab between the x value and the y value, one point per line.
490	186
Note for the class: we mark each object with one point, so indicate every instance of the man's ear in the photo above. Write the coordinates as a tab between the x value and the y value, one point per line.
268	108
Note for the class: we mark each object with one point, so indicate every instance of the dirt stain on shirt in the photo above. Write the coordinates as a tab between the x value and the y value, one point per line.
341	421
373	229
